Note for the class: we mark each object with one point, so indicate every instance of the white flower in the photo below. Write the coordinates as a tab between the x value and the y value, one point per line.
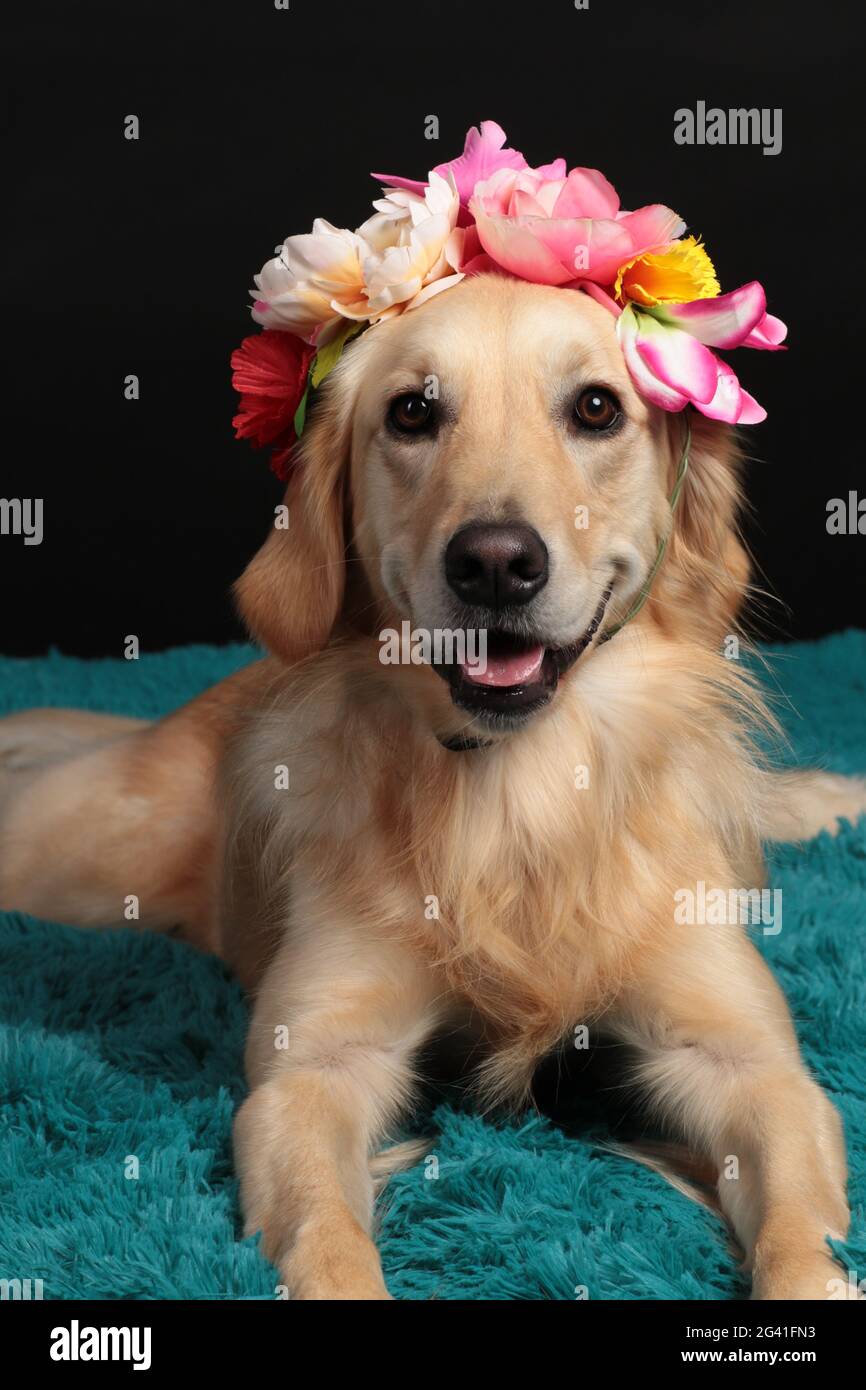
313	279
400	256
422	260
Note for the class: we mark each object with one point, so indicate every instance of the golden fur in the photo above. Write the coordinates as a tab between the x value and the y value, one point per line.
396	888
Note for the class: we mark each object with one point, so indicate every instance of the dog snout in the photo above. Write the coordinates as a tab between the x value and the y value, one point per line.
495	565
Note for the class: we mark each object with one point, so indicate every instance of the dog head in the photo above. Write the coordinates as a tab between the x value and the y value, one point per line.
483	465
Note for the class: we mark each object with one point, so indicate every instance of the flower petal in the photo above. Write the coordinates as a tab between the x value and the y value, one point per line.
646	383
279	302
269	372
750	412
769	334
484	151
595	248
435	287
587	193
600	296
728	401
677	359
326	255
557	169
723	322
394	181
516	248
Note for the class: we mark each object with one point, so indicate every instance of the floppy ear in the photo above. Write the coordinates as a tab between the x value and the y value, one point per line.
705	579
291	592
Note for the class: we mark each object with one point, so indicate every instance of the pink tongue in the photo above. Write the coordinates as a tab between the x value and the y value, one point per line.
506	670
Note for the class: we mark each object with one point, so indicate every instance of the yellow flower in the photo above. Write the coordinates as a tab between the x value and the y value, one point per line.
676	276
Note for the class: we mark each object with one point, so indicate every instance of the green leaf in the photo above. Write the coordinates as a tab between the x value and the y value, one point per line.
327	357
301	413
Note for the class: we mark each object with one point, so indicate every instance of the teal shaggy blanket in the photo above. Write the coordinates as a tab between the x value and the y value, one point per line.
117	1046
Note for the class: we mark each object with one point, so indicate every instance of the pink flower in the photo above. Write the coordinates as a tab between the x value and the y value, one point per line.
672	369
484	152
666	352
559	230
667	349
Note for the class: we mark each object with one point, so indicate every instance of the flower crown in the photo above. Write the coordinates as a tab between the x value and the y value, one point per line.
488	210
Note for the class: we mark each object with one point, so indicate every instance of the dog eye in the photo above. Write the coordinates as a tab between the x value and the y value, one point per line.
596	409
412	413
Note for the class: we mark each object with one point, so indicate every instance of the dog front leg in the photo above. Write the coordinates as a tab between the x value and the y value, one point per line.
333	1035
719	1059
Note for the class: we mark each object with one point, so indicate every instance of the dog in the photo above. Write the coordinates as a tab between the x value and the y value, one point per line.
385	853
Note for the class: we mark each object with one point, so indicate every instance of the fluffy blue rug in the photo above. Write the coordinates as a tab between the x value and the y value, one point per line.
116	1046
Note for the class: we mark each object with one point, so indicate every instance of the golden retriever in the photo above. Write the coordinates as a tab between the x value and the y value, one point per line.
384	852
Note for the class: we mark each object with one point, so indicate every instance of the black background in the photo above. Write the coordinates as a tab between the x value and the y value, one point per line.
136	257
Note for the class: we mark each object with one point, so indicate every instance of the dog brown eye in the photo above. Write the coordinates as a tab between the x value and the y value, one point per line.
412	413
596	408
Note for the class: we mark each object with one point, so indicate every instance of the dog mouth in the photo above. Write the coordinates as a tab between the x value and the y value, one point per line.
519	676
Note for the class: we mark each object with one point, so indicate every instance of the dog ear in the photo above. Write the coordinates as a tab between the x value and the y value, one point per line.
706	576
291	592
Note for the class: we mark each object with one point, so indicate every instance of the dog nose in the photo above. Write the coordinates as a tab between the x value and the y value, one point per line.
496	566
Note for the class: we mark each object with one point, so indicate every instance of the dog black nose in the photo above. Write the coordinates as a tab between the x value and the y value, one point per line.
496	566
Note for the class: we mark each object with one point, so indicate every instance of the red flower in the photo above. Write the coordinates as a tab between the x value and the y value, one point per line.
269	371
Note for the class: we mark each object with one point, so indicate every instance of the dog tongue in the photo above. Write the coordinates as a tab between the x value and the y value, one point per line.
518	668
